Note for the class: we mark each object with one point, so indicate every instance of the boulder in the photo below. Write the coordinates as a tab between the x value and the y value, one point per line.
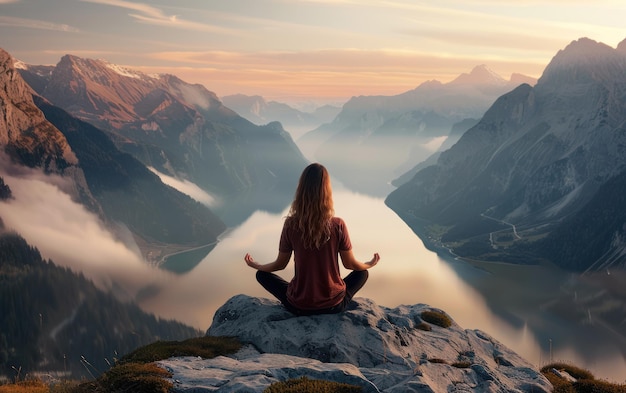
378	348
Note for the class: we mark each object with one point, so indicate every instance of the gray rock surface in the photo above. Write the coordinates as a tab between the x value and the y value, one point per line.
378	348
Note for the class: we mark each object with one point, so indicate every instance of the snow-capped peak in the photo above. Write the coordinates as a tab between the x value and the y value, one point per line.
127	72
19	64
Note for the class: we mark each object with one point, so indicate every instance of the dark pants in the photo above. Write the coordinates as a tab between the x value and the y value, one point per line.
275	285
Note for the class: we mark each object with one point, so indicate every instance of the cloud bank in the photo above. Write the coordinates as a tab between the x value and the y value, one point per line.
65	232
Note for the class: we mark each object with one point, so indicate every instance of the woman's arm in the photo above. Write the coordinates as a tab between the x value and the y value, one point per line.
350	262
279	264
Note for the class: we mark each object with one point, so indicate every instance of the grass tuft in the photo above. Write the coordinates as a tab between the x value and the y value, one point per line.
438	318
27	386
585	380
305	385
424	326
130	377
574	371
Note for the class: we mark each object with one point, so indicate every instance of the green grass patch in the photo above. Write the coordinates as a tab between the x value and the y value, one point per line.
205	347
438	318
305	385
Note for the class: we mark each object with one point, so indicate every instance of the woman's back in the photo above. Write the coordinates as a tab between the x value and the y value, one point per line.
317	282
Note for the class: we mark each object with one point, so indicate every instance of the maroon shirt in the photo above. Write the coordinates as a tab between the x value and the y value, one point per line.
317	282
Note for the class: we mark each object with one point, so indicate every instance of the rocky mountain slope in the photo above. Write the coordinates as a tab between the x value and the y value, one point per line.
111	184
536	178
374	347
374	139
127	192
26	137
181	129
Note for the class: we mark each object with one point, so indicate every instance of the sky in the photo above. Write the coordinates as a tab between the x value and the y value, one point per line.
308	50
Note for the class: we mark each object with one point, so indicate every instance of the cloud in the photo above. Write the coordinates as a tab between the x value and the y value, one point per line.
187	187
145	9
148	14
36	24
65	232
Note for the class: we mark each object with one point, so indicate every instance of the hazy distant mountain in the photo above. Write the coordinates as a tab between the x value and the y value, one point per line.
376	138
456	132
180	129
549	159
259	111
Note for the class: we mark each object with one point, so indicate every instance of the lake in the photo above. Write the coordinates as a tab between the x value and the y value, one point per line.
512	303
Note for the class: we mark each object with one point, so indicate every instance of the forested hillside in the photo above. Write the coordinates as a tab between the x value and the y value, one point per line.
52	319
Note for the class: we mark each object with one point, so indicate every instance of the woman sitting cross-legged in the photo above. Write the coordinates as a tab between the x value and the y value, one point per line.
317	239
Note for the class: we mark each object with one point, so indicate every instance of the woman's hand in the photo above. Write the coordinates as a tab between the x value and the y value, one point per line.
374	260
279	264
351	263
250	261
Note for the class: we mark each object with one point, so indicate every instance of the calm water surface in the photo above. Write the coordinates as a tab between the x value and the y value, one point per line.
509	307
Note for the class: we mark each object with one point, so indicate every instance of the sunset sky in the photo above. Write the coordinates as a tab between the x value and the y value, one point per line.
299	50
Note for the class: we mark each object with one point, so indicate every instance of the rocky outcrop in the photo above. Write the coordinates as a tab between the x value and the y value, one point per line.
28	139
378	348
24	132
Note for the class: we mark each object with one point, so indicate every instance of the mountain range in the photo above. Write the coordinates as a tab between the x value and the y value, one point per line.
541	176
182	130
110	183
260	111
375	139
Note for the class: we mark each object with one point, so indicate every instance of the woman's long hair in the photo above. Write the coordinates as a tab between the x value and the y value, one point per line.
312	206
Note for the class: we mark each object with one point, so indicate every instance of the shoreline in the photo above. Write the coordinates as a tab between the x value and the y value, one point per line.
164	258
